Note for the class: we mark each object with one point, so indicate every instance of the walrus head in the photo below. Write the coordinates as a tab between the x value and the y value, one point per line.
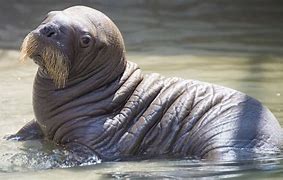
75	43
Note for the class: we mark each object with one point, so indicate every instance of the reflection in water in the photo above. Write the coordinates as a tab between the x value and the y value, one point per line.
238	44
169	169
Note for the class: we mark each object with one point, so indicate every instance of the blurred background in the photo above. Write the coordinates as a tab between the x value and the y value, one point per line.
166	26
234	43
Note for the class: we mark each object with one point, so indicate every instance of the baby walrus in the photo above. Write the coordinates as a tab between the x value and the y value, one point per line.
89	99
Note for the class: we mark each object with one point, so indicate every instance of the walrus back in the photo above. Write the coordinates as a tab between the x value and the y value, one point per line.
193	118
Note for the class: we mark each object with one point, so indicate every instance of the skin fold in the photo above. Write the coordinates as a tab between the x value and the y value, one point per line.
86	94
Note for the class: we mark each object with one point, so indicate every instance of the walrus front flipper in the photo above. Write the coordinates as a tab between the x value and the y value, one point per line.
80	154
30	131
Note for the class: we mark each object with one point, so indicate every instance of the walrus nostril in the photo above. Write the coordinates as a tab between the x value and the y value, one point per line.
48	31
50	34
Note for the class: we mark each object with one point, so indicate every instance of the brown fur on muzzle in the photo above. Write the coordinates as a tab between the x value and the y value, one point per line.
53	59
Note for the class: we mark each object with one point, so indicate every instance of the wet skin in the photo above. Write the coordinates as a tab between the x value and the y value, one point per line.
108	107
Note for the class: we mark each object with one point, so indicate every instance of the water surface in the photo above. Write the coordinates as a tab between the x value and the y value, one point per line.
237	44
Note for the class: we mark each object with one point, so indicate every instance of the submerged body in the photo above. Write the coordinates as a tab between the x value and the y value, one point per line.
106	104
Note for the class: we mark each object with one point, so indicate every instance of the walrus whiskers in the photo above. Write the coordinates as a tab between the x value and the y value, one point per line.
29	46
56	65
53	59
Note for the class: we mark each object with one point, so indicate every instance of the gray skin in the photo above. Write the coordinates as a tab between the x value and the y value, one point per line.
113	110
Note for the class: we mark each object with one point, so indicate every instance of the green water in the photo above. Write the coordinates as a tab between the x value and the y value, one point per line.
237	44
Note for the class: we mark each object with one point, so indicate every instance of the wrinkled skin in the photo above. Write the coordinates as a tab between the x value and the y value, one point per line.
115	111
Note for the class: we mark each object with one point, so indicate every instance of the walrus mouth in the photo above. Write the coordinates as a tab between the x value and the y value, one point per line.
48	56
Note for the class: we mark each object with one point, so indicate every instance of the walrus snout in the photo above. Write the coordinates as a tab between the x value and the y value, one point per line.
48	55
48	31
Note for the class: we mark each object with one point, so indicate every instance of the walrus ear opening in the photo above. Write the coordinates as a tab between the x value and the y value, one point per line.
101	46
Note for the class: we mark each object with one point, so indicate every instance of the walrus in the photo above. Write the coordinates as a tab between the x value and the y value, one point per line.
88	97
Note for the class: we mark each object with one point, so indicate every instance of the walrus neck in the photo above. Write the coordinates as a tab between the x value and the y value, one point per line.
54	107
99	77
101	73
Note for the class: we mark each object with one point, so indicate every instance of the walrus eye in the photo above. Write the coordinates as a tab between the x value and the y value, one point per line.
85	41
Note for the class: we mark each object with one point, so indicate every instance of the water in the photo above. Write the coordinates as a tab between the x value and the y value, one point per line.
238	44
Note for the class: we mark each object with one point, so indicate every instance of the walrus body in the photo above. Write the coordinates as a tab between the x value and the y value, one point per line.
106	104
